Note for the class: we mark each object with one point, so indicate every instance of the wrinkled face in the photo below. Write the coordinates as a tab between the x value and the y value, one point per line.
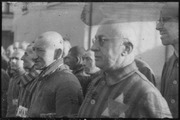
89	61
16	61
28	57
71	61
168	28
44	54
107	47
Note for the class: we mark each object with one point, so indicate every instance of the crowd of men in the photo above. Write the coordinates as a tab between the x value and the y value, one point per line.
49	78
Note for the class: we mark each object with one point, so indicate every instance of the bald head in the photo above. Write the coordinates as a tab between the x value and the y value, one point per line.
170	9
115	29
50	39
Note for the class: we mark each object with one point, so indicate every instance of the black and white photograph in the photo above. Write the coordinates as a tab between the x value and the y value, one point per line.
90	60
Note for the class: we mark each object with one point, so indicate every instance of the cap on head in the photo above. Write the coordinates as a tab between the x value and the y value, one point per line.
170	9
50	39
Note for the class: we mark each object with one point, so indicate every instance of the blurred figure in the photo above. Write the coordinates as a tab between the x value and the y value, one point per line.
15	45
58	92
146	70
74	60
23	45
4	88
90	68
13	89
67	47
26	81
121	91
4	59
9	51
168	26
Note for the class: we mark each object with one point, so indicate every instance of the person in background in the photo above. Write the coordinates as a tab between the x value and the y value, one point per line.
90	68
121	91
16	45
168	26
23	45
26	81
58	92
4	59
74	60
67	47
4	87
13	90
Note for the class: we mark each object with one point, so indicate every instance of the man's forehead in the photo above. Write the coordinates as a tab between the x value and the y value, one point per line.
170	10
109	30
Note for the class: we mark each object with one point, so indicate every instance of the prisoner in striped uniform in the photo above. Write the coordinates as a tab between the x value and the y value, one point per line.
121	91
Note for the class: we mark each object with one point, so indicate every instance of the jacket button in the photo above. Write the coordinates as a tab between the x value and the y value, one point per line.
175	82
172	101
93	101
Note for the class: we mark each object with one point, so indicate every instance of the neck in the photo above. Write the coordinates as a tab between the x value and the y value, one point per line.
92	71
114	71
176	49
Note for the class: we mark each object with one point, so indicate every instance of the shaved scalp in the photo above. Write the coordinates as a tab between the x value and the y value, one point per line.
121	30
50	39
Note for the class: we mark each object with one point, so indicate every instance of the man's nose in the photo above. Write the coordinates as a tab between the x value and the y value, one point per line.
159	26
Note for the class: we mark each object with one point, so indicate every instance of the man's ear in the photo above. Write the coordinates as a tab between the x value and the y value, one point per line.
128	48
57	54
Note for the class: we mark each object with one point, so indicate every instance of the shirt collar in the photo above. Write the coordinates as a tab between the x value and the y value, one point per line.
52	67
123	73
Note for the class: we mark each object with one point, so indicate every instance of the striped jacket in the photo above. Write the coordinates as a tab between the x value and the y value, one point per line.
127	95
12	95
58	93
26	84
170	84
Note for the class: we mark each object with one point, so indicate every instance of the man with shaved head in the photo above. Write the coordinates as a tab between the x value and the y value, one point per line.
121	91
13	89
58	92
90	68
168	26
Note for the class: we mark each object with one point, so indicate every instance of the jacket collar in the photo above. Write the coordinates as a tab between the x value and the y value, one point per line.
52	67
123	73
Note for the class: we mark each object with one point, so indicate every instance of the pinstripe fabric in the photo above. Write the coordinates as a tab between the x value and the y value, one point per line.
170	84
131	84
25	83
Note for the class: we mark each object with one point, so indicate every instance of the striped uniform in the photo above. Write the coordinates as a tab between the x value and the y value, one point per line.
12	95
170	84
25	83
128	95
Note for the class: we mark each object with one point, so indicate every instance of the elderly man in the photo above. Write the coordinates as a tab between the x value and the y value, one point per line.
168	26
121	91
90	68
58	92
13	89
26	81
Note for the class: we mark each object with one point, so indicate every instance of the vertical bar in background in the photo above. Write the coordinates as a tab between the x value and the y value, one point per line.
90	27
